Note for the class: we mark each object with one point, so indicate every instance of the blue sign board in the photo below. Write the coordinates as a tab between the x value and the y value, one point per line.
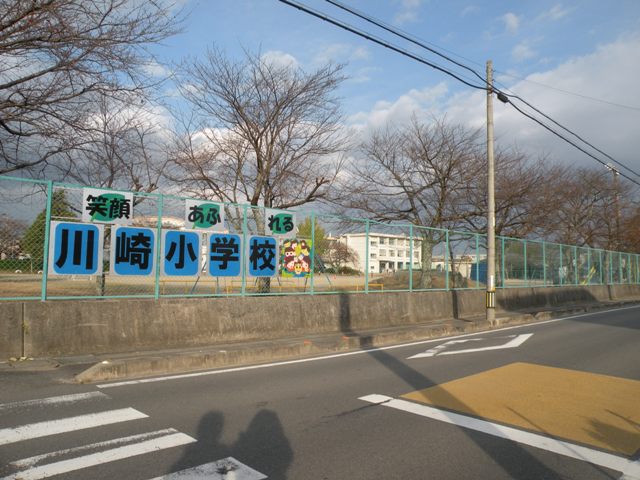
181	253
224	255
262	256
76	249
132	251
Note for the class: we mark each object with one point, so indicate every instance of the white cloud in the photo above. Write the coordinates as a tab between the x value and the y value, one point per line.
469	9
522	52
408	12
362	75
154	69
361	53
511	22
609	73
414	102
341	52
555	13
278	58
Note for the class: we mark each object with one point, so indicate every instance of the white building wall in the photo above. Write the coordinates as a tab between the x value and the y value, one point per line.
387	253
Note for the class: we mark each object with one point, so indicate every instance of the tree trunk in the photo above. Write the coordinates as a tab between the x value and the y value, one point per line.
426	248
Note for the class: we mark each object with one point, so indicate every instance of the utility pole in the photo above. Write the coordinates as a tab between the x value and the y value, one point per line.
491	205
616	198
615	245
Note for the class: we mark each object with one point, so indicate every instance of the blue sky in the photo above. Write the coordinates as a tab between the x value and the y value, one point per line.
591	48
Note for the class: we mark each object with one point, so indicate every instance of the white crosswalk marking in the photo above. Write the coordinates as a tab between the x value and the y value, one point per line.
80	457
54	427
226	469
49	401
39	459
106	456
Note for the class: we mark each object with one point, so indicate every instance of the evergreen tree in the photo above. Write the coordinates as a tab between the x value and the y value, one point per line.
320	241
33	240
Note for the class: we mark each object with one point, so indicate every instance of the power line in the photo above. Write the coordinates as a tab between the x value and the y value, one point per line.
570	142
433	48
567	92
503	96
423	43
411	39
572	133
394	31
377	40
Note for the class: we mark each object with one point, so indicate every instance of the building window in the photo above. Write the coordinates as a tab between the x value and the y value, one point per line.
373	255
374	243
383	253
382	240
392	241
392	253
416	255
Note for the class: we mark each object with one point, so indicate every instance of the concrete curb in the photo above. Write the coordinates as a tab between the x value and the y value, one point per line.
222	356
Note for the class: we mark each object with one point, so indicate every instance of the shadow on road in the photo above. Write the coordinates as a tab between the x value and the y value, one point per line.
525	466
564	296
263	446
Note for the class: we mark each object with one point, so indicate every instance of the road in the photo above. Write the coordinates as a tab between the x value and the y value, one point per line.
552	400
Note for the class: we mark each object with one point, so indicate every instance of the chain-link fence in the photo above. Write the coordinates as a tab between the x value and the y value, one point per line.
162	246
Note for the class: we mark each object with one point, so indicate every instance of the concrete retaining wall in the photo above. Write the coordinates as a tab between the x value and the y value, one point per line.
110	326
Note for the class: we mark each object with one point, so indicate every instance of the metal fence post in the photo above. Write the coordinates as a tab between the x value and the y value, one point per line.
45	253
446	258
561	270
502	261
366	254
411	257
156	289
524	251
243	288
575	265
544	263
313	250
619	267
601	267
588	279
477	260
610	254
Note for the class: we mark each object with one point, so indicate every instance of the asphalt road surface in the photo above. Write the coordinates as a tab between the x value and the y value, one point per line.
552	400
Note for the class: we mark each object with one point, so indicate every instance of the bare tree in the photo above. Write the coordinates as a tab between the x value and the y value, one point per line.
338	254
631	230
588	204
58	57
11	232
261	132
123	149
420	172
523	193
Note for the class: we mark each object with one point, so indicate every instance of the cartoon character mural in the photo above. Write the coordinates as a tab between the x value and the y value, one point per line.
295	258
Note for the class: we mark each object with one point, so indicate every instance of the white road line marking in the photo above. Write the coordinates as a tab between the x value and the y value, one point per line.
437	351
632	472
346	354
228	468
608	460
65	466
39	459
49	401
54	427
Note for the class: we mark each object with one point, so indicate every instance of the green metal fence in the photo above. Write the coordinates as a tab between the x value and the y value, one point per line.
346	254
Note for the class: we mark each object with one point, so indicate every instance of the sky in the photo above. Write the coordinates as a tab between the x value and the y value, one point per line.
578	61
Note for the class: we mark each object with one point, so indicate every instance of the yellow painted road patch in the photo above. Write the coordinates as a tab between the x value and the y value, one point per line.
596	410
